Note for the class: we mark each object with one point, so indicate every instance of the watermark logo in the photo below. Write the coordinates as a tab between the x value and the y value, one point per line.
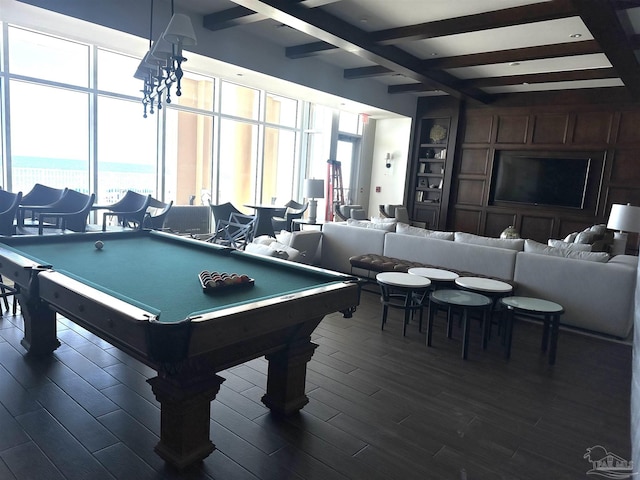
608	464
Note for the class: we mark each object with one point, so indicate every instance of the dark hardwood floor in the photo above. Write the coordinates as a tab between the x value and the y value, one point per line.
381	407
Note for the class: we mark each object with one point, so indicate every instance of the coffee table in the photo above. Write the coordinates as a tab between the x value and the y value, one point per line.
536	307
404	291
464	301
436	275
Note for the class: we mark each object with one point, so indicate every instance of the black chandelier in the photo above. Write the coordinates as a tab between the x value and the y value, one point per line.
162	64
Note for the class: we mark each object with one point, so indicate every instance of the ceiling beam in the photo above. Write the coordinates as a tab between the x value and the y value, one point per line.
537	12
602	21
331	29
568	76
452	26
584	47
568	49
366	72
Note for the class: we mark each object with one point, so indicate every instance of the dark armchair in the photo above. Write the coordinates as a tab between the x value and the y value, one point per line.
223	211
70	212
156	214
130	210
294	210
9	203
39	196
235	232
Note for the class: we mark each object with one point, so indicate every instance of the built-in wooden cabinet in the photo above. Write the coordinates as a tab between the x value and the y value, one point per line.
434	143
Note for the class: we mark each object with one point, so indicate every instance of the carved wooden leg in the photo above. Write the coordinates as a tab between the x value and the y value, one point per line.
40	336
287	375
184	416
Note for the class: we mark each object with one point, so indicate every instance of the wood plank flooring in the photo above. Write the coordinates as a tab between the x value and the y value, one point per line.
381	407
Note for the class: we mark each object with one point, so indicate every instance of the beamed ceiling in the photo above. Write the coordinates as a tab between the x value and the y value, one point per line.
468	49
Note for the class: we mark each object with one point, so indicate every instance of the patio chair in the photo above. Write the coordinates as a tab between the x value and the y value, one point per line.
9	203
222	211
294	210
235	232
70	212
39	196
156	214
130	210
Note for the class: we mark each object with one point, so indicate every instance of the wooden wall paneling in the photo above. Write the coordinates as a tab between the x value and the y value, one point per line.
622	195
550	129
478	129
624	167
474	161
466	220
537	227
628	131
470	191
496	222
512	129
593	128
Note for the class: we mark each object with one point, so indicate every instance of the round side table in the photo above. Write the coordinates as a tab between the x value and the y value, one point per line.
537	307
464	301
403	291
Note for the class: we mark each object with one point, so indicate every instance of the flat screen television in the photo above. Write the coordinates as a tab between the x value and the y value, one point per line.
550	180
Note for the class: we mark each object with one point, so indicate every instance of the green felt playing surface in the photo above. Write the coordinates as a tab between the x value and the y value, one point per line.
162	272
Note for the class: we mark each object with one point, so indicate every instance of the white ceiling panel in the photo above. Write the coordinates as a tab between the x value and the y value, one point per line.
517	36
560	64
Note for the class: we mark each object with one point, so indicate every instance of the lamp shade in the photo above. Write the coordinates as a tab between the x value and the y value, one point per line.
180	30
162	49
313	188
624	218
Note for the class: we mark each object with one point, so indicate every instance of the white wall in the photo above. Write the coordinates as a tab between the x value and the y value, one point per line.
391	136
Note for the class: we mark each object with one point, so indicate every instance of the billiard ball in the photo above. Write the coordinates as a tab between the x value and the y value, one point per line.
99	244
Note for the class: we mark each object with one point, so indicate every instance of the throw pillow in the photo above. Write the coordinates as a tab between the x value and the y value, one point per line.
582	247
571	237
284	237
406	229
283	251
383	220
532	246
511	244
263	240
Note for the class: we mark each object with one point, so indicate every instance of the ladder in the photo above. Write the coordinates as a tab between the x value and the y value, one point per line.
335	193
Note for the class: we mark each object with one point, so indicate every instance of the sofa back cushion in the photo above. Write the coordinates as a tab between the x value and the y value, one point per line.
532	246
511	244
465	257
340	242
422	232
384	226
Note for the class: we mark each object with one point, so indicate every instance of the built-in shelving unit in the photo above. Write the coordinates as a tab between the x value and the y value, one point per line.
430	169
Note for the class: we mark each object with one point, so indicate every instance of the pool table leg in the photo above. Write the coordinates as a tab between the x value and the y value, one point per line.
287	376
40	335
185	404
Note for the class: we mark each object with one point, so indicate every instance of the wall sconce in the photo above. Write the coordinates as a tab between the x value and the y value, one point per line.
388	160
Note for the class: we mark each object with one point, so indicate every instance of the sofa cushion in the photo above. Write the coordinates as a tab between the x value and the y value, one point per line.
387	227
582	247
511	244
422	232
532	246
274	249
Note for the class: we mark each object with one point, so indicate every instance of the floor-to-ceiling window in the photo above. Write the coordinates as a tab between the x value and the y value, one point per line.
73	118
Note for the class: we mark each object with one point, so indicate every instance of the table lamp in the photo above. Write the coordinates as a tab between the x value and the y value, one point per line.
624	218
313	188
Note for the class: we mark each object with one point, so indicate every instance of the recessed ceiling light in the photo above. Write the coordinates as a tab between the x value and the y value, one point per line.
575	35
434	54
514	64
364	20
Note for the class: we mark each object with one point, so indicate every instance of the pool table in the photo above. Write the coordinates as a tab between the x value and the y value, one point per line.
141	292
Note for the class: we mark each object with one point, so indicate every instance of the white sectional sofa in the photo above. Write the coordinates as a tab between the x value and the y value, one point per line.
597	295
